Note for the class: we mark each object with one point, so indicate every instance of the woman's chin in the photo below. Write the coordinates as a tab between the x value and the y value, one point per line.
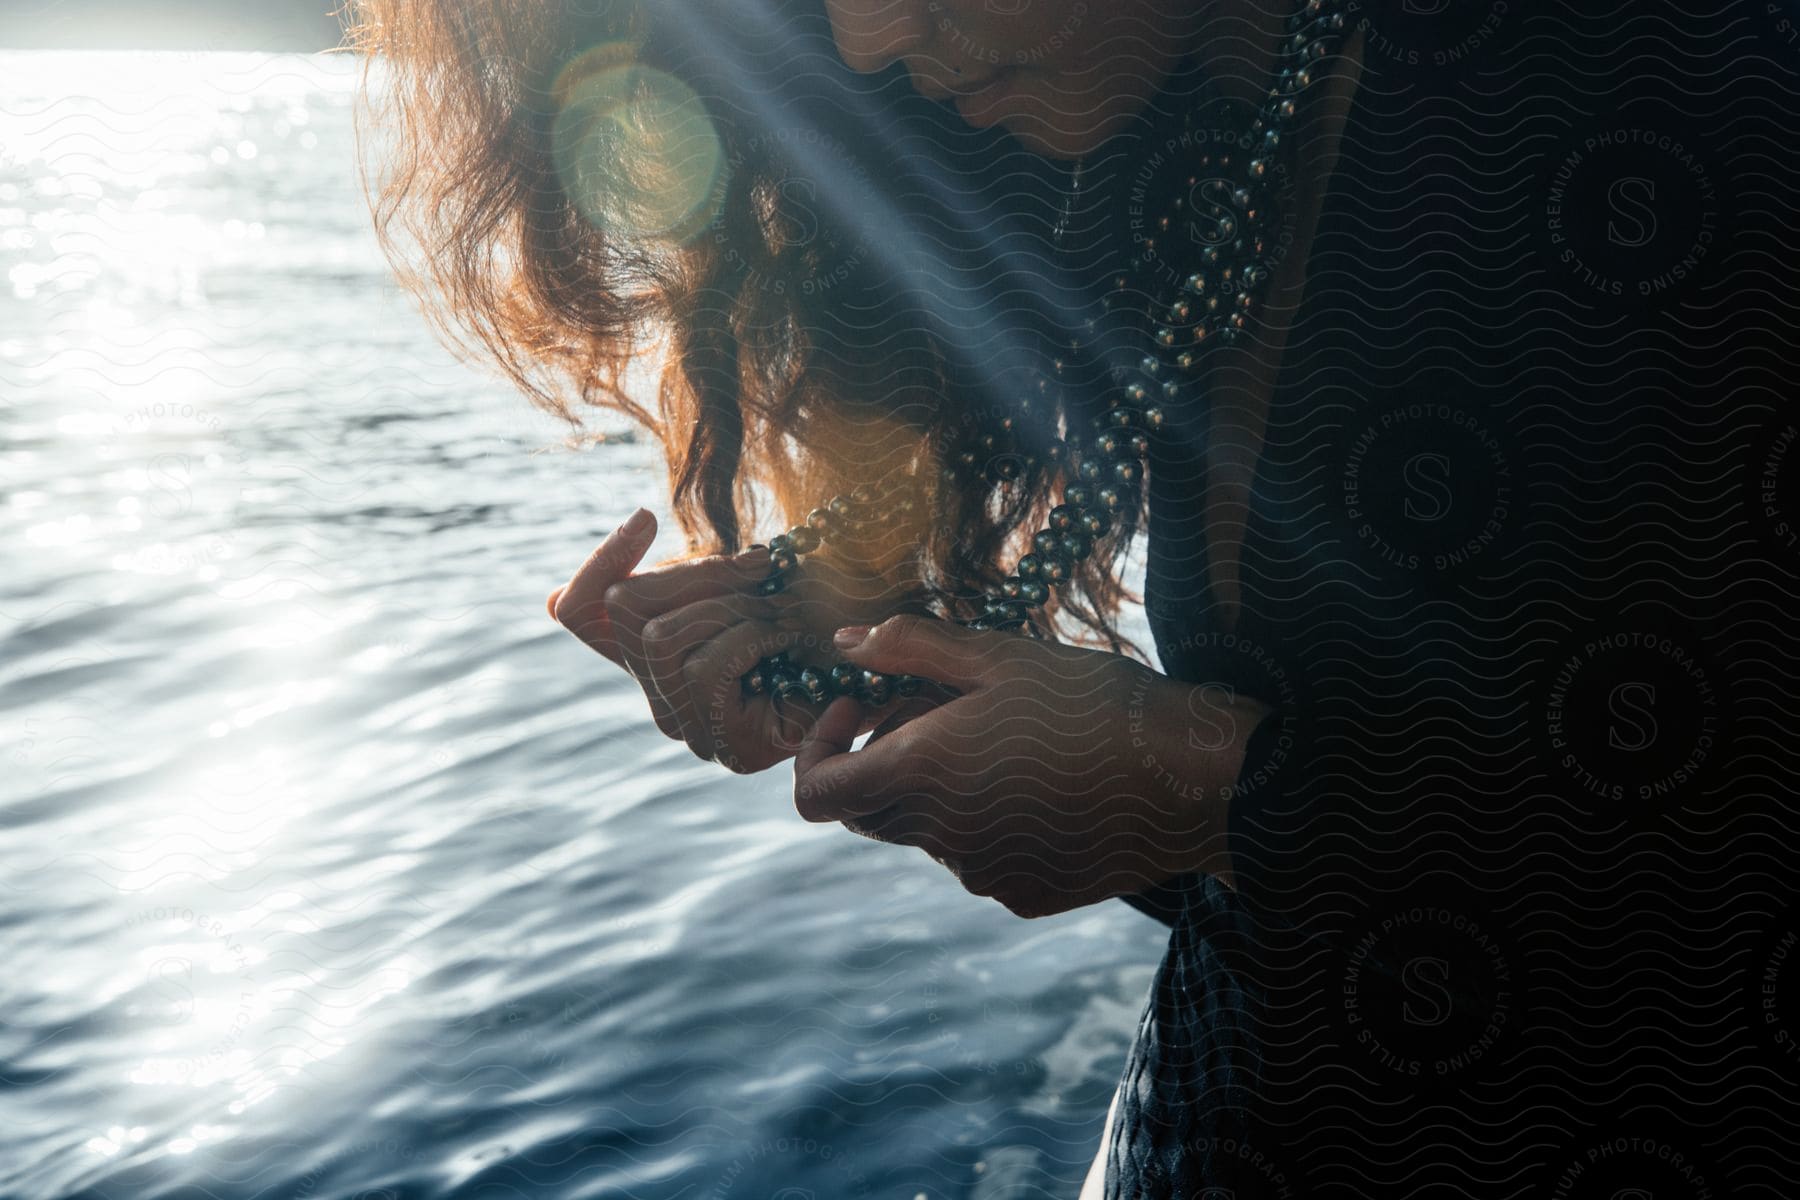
1041	126
1067	144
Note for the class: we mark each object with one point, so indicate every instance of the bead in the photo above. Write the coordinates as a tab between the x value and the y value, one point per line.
840	507
1062	518
780	541
862	496
1009	587
1090	469
771	586
1076	546
793	689
1135	393
1120	418
1009	616
1139	443
782	560
1057	567
1078	495
1057	450
813	680
1046	542
876	689
1196	283
819	519
1028	570
1094	522
1033	592
844	678
803	538
907	685
1108	443
755	682
1112	498
1149	365
1126	472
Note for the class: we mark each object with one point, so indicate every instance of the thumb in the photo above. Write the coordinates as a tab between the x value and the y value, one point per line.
580	604
964	659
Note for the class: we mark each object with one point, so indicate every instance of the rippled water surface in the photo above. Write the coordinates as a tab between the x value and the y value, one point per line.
328	865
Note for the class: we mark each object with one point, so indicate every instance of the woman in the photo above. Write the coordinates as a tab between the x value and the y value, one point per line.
1466	531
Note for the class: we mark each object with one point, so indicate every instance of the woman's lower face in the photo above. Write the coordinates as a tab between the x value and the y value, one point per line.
1060	75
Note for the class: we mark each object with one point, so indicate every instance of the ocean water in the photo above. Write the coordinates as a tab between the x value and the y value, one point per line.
329	867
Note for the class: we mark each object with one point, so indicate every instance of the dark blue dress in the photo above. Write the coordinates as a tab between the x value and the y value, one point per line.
1515	863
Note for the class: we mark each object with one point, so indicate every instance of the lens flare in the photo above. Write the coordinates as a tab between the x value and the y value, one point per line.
635	149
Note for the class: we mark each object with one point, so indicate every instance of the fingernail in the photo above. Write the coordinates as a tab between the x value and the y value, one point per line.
850	637
634	524
551	603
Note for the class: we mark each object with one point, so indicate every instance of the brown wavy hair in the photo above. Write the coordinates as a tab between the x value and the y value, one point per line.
772	391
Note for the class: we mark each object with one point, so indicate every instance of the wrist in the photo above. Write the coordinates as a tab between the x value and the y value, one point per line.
1194	749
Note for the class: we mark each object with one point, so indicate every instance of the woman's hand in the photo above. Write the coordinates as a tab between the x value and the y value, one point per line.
687	633
1060	777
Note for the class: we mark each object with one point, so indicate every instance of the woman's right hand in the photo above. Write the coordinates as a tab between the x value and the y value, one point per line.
687	633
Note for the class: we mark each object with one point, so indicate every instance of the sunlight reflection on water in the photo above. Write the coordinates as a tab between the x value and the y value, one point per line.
331	865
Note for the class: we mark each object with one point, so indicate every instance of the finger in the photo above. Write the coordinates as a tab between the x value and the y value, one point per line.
908	710
828	743
642	597
745	733
966	659
580	606
832	784
901	824
634	602
671	639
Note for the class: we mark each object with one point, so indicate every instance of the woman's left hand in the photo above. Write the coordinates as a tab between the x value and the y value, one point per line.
1059	778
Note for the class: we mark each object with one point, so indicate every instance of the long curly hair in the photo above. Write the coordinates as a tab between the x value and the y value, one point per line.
799	279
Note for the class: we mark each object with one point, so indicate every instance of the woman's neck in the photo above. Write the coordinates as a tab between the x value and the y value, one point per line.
1239	43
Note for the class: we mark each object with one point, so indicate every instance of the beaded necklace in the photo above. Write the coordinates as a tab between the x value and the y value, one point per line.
1226	202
